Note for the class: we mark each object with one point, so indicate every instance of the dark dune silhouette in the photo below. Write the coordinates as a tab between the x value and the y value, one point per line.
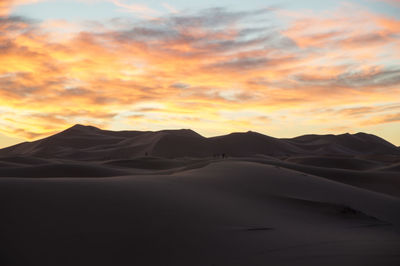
87	196
90	143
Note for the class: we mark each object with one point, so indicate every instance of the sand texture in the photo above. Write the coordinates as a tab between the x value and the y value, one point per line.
87	196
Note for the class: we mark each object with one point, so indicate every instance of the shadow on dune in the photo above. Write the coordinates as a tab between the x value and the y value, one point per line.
177	198
60	170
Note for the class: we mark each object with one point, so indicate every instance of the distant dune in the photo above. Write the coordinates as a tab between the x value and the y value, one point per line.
90	143
87	196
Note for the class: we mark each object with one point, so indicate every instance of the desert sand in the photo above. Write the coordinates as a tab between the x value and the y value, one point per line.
87	196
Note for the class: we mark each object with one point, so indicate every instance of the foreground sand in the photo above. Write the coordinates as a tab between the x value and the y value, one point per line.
243	211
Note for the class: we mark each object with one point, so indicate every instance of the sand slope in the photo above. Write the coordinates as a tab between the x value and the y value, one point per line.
226	213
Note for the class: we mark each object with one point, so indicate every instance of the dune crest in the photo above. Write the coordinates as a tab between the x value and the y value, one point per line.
91	143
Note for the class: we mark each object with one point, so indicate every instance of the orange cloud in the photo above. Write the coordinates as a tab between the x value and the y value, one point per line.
388	118
208	70
7	5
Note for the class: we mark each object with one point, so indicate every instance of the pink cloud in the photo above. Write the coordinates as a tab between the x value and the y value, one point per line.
197	65
391	2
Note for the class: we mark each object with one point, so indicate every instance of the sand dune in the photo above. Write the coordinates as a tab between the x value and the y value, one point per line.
360	143
88	196
226	213
335	162
374	180
392	168
90	143
60	170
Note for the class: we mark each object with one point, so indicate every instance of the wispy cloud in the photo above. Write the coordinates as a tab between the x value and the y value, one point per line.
200	66
140	9
6	6
391	2
170	8
381	119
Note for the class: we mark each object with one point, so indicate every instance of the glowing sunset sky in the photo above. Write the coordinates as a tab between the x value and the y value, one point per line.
282	68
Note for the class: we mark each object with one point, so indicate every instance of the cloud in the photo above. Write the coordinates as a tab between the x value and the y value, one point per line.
7	5
198	65
140	9
388	118
170	8
374	114
395	3
355	79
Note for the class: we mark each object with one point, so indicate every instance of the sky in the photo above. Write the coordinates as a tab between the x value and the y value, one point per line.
281	68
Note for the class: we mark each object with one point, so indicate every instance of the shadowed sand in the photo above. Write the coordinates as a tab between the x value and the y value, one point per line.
299	205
